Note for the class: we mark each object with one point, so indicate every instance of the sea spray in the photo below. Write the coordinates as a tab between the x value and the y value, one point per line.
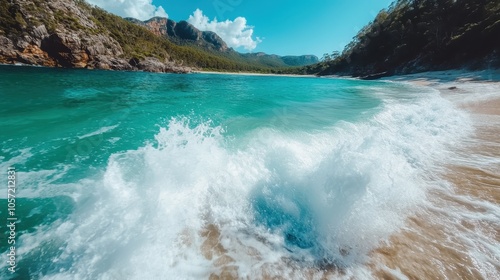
314	187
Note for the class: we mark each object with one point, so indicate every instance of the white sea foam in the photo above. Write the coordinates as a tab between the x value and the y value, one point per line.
20	157
99	131
313	198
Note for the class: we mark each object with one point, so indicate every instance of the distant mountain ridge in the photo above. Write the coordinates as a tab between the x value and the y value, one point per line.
281	61
184	33
300	60
75	34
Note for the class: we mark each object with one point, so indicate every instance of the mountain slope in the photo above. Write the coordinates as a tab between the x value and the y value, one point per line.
183	33
281	61
301	60
55	33
71	33
422	35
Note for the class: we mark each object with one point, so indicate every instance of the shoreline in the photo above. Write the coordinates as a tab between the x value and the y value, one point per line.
450	78
454	235
437	239
433	244
253	74
430	78
156	72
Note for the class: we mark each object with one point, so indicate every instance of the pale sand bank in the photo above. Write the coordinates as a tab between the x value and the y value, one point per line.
457	235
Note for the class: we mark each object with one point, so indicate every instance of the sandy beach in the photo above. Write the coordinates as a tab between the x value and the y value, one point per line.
410	190
454	236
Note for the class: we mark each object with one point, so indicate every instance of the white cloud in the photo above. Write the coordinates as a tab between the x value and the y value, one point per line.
139	9
235	33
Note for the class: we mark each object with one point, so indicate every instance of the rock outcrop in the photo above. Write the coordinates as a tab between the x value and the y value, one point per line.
63	33
151	64
183	33
74	34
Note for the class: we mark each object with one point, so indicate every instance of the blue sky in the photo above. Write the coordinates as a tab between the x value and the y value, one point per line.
280	27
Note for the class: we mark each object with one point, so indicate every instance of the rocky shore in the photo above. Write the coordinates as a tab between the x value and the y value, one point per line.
72	39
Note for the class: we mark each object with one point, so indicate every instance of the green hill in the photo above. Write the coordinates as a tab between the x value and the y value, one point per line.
422	35
74	34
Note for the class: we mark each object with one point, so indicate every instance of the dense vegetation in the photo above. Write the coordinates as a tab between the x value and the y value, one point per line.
279	61
421	35
11	20
139	43
17	18
410	36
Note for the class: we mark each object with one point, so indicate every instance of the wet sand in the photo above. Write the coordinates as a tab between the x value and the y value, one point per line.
454	235
457	235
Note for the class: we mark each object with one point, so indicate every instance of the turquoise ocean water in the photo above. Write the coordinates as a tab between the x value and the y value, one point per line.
116	170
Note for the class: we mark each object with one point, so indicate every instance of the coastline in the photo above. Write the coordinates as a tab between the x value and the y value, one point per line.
440	239
434	243
461	219
252	74
159	72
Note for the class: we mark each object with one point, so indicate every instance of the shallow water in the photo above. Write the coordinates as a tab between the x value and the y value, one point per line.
145	176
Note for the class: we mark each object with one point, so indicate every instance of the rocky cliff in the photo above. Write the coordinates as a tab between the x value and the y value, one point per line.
183	33
65	33
74	34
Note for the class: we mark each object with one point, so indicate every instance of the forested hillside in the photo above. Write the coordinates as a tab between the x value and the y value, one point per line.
422	35
74	34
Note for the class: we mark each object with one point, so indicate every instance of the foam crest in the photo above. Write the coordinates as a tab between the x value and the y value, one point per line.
192	203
